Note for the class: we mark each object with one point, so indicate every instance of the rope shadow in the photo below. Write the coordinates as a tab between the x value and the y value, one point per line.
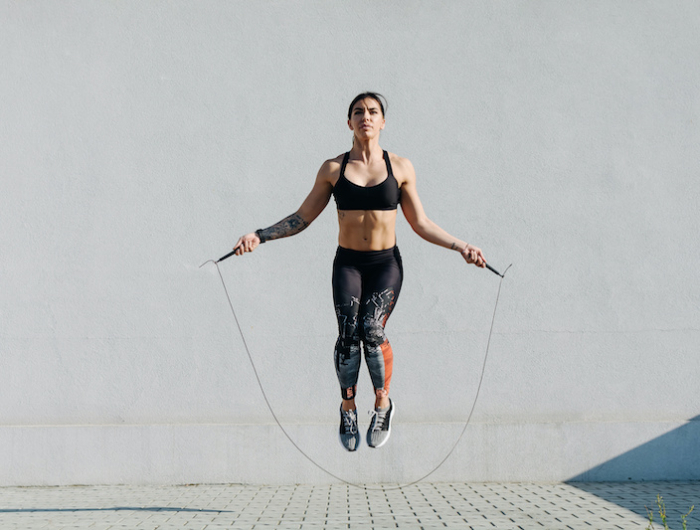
114	509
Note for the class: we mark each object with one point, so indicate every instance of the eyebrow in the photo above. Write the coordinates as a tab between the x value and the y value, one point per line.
356	108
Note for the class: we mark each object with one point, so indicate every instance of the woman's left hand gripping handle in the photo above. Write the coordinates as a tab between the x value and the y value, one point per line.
473	254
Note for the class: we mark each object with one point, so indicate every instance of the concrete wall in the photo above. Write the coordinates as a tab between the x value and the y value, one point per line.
140	139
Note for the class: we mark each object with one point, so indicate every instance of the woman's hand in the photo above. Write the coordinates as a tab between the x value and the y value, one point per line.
246	243
473	254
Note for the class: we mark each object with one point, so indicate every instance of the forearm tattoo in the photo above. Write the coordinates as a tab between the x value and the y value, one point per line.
288	226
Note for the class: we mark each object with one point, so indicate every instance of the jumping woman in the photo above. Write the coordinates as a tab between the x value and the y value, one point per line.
368	184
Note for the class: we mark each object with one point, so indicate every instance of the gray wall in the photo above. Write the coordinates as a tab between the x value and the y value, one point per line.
140	139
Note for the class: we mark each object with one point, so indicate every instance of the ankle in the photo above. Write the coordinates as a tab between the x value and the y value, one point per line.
382	403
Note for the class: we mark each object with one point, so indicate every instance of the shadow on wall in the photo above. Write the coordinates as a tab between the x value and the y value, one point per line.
673	456
650	470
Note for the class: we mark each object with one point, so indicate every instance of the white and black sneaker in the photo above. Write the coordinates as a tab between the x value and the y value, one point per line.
349	435
380	426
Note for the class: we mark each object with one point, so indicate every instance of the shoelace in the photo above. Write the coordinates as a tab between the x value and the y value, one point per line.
380	419
350	421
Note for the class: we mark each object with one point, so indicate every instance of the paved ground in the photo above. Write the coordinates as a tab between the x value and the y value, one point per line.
430	505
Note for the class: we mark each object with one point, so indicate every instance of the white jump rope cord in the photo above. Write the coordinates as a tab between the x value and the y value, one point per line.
319	466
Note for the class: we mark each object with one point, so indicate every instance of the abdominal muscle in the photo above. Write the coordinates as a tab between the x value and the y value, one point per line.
366	230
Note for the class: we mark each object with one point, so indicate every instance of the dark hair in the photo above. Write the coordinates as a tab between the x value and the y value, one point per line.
372	95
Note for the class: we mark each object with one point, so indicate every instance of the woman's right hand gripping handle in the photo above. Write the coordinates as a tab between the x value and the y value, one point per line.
246	243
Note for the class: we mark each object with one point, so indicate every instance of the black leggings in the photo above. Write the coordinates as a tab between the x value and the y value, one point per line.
366	286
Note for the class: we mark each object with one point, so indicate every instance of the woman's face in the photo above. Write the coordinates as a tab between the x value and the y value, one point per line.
366	119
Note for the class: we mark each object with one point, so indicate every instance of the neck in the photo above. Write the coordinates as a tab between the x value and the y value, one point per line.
366	149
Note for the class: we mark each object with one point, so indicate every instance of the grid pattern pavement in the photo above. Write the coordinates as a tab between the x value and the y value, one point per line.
599	506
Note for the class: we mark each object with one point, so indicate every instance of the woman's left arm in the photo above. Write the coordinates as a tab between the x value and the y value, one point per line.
415	215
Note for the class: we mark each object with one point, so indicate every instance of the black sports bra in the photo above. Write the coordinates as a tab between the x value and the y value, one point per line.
383	196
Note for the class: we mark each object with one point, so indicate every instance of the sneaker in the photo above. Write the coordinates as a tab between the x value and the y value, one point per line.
349	435
380	426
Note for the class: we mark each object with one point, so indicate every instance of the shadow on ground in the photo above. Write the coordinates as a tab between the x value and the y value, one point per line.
640	497
114	509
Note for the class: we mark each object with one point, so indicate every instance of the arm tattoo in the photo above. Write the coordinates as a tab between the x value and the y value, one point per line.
288	226
454	245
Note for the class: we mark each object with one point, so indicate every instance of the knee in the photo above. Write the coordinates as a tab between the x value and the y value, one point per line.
373	332
351	332
349	337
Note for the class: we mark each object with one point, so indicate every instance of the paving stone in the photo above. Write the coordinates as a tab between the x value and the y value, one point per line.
426	505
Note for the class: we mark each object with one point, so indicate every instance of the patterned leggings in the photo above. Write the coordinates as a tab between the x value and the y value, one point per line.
366	286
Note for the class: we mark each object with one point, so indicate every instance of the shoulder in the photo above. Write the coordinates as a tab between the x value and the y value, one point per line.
402	168
330	169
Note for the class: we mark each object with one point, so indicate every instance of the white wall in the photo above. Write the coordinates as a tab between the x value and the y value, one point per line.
139	139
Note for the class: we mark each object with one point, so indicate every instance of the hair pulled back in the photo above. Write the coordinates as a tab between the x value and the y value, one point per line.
372	95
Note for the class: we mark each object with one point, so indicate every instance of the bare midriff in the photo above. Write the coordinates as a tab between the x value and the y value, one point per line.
366	230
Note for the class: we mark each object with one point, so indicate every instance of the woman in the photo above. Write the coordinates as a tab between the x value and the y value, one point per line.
368	184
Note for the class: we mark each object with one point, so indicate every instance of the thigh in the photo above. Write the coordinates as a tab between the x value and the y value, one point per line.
347	291
381	288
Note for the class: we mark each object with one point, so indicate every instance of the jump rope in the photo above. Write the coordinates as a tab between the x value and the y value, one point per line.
288	436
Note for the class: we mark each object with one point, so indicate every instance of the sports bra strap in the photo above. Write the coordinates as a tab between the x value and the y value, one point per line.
388	164
345	163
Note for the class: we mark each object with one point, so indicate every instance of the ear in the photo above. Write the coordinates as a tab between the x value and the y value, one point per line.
383	124
349	125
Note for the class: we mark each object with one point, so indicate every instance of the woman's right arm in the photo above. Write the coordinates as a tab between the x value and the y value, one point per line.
291	225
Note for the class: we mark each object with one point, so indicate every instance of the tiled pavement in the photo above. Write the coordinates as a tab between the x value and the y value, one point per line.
596	506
